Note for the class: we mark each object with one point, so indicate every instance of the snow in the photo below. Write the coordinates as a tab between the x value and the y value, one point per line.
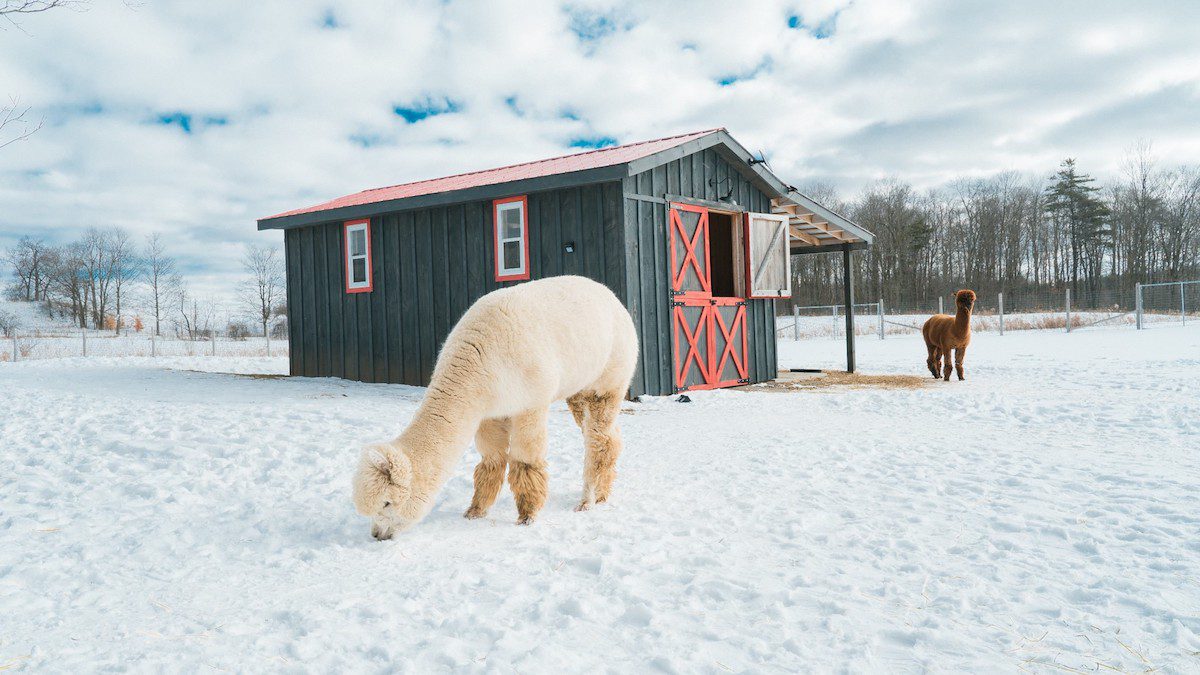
1044	514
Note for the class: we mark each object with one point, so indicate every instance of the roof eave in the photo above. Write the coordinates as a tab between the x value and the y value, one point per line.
831	216
725	144
482	192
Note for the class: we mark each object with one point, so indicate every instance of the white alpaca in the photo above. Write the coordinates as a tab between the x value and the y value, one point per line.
513	353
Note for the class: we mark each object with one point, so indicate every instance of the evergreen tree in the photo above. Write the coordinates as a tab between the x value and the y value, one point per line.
1072	200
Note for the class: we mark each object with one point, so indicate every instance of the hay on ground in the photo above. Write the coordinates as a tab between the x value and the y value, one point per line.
789	381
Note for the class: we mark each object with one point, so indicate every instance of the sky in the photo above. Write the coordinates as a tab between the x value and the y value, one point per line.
194	119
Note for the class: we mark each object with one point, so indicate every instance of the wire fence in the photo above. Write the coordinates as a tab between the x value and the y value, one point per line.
1146	306
53	344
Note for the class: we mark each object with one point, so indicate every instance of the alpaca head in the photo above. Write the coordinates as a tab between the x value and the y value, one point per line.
383	490
965	299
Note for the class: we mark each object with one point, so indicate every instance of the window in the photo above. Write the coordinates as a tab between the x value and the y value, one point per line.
510	220
358	256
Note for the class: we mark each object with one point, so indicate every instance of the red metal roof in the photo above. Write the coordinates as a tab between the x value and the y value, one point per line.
543	167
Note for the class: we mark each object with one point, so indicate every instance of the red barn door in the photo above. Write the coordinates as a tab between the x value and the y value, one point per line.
708	333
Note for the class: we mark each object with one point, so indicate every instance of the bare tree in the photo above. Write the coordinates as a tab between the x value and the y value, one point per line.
11	9
28	258
264	287
124	267
13	124
160	276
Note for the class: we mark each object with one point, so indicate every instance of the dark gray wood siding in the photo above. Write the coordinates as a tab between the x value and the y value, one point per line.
702	175
428	266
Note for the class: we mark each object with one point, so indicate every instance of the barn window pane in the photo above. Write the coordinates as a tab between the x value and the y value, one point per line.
512	255
358	242
510	231
358	256
512	223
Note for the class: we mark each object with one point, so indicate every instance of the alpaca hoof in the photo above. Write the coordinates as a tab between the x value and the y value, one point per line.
525	520
583	506
474	513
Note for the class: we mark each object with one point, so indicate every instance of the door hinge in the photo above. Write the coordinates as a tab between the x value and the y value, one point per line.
744	381
676	304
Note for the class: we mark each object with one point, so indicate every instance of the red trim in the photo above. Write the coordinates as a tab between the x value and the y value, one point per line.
700	236
730	333
346	256
499	257
694	352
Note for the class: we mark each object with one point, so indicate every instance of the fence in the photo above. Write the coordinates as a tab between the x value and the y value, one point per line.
1147	306
94	343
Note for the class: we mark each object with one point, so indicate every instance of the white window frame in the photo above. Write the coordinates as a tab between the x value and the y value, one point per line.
520	205
351	227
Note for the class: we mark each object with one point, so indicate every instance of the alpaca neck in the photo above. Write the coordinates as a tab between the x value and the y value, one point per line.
437	438
962	321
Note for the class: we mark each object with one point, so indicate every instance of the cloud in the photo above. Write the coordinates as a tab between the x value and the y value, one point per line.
194	119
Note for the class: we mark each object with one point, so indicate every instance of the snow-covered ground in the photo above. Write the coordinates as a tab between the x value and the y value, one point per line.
1043	515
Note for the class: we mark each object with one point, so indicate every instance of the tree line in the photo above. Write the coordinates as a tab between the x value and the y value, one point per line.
1017	234
94	280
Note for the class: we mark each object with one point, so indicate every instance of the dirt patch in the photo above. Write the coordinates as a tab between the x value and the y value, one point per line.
829	379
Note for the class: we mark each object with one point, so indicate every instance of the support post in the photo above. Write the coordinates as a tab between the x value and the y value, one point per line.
941	305
848	290
795	323
1068	310
1000	304
268	336
153	346
83	333
1137	304
212	334
833	313
14	347
881	318
1182	303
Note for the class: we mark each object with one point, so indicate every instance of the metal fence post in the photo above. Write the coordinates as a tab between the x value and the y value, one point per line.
213	336
153	346
84	334
834	314
941	305
1137	304
268	336
881	318
796	323
1000	304
14	347
1068	310
1182	304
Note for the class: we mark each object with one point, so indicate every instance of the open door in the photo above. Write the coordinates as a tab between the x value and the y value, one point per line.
768	258
708	333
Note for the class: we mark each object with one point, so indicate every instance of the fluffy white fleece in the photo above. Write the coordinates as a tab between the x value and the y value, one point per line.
511	355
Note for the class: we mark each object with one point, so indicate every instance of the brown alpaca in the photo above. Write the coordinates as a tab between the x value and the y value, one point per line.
944	332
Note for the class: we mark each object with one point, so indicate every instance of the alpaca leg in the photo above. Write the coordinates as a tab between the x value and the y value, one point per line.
492	441
931	361
959	354
602	442
946	367
578	406
527	474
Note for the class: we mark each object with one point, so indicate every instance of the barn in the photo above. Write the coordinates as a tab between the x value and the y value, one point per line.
691	232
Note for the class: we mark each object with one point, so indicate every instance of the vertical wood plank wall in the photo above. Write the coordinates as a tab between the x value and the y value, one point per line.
428	266
646	276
